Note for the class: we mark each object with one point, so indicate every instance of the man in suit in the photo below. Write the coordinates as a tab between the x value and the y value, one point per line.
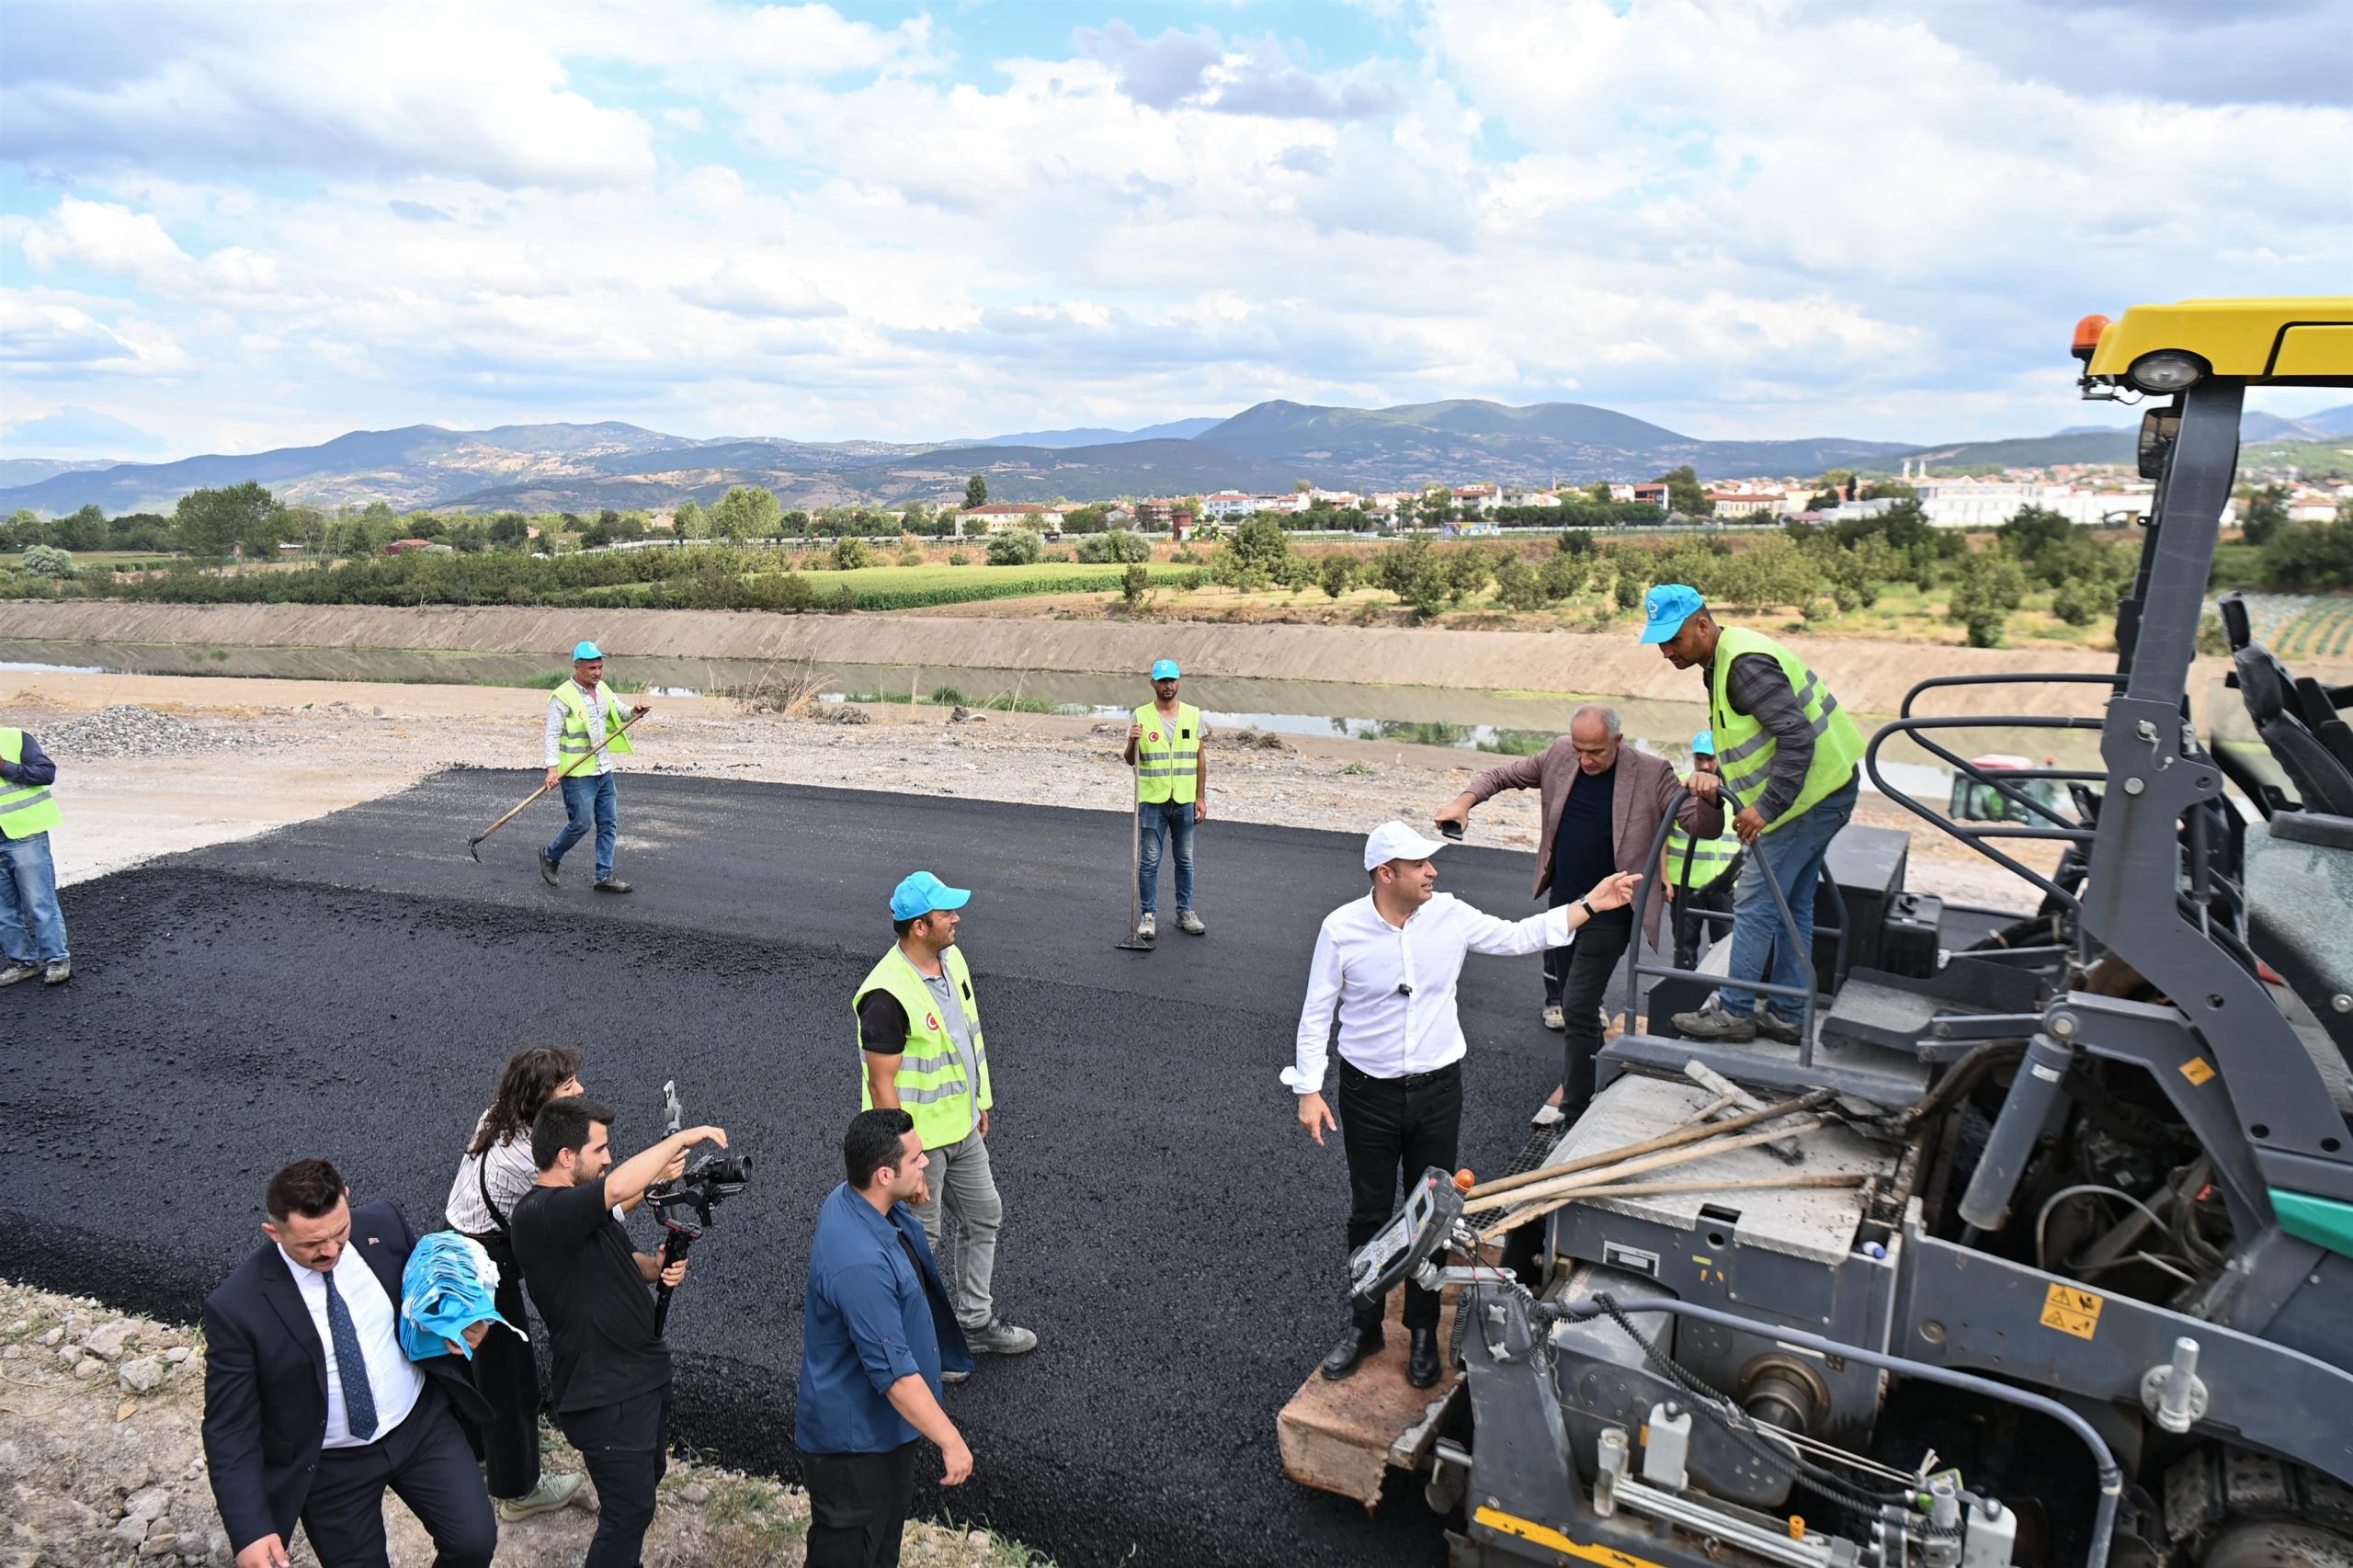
311	1409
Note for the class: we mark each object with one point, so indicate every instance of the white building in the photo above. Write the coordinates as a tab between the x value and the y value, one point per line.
1000	516
1228	504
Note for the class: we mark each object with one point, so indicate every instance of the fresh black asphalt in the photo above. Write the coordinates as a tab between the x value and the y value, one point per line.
349	987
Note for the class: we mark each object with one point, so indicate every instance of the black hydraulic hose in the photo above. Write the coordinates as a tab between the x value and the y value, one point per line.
2111	1477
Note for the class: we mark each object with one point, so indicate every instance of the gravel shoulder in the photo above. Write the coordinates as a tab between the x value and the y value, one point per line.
102	1462
234	758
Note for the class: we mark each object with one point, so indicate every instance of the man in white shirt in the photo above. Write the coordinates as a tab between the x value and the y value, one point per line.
1388	962
311	1407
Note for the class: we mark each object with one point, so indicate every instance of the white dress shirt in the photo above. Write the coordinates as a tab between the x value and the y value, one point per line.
392	1378
1394	986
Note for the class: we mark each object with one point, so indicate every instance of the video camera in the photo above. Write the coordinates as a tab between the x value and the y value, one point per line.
685	1207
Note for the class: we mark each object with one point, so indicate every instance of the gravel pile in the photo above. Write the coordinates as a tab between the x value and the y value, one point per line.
131	731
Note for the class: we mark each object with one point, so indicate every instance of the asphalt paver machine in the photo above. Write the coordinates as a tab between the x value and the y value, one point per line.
2057	1268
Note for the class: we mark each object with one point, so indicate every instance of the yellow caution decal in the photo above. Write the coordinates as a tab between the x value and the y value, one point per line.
2199	1071
1545	1534
2071	1309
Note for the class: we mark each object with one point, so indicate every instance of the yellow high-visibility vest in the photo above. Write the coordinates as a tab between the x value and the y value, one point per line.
25	810
1745	747
573	743
1169	755
933	1089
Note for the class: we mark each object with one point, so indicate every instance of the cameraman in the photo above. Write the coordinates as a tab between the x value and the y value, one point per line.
609	1388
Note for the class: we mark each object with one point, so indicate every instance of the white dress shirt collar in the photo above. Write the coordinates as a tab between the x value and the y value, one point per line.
392	1378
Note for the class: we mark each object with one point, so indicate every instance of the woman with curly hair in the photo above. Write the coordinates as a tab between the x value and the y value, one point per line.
496	1171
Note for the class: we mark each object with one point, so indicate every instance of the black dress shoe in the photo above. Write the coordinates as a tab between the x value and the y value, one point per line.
1349	1354
1421	1357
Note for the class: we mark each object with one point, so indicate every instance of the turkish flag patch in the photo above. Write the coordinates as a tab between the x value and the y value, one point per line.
931	1022
1155	734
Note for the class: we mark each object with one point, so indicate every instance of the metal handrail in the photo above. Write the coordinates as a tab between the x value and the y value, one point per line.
1636	969
1977	838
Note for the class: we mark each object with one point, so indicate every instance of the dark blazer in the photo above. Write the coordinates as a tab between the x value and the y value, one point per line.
266	1380
1645	785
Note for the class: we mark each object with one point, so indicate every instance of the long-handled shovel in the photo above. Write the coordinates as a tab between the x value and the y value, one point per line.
1134	941
473	844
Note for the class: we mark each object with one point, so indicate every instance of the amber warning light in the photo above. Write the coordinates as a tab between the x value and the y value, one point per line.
2088	333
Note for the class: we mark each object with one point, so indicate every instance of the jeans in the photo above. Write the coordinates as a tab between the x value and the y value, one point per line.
622	1446
32	929
1793	853
425	1462
595	793
1389	1127
963	1182
1592	963
858	1506
1175	820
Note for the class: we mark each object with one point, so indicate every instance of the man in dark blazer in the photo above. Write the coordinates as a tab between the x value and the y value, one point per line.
311	1409
1601	802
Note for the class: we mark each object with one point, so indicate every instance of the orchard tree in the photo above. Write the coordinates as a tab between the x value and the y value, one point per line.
214	522
1683	492
689	520
746	512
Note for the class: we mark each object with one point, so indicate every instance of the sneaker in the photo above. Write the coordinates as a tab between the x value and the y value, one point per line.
1553	1018
1189	922
1713	1022
1772	1026
1148	927
552	1492
948	1376
546	871
611	884
57	971
1000	1338
17	972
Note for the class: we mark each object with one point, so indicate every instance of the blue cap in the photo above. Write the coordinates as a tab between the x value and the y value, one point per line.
1704	743
922	893
1165	669
586	651
1668	606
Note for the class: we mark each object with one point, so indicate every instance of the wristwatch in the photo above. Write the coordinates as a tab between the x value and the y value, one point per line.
1590	913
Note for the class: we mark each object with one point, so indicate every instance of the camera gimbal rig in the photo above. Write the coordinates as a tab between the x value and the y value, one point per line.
685	1206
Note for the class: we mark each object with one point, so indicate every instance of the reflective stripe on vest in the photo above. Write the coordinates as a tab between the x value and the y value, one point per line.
933	1089
1745	747
1169	755
25	810
573	743
1709	861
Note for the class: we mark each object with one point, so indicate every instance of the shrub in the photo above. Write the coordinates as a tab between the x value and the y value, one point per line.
1564	575
2080	602
849	555
1134	584
1016	547
1519	586
1294	571
1468	571
2302	556
1118	545
48	561
1338	574
911	556
958	557
1628	590
1989	586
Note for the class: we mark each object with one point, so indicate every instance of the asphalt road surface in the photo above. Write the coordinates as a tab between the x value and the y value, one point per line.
350	986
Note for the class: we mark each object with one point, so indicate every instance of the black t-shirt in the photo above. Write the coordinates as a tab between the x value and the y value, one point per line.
583	1277
1583	844
882	1024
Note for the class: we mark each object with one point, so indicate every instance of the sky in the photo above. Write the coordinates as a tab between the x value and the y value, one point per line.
236	226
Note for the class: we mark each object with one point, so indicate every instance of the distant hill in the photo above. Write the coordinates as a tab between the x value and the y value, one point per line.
2036	452
1174	430
2337	421
32	471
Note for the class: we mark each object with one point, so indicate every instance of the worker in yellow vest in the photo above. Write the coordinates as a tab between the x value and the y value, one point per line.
1172	795
1786	756
1697	875
582	716
32	929
919	1033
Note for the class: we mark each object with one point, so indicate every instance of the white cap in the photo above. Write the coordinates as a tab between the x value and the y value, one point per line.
1396	841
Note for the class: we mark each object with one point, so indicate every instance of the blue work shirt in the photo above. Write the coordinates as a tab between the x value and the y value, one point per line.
875	1312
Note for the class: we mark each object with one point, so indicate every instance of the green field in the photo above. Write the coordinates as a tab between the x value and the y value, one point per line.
917	587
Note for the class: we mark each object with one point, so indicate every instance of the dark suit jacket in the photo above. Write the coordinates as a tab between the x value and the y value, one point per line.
1645	784
266	1380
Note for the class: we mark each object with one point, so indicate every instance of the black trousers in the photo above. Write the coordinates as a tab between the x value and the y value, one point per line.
622	1446
427	1463
1392	1131
507	1375
1690	928
1593	963
858	1506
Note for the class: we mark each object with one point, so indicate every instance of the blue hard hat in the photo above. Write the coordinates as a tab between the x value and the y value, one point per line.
586	651
1704	743
922	893
1165	669
1667	607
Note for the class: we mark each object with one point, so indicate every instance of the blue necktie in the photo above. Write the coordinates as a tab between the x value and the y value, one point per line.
358	1399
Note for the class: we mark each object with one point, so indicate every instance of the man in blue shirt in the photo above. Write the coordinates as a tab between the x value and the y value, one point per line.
877	1328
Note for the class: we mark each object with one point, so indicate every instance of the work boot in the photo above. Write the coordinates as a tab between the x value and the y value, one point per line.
1713	1022
998	1338
1349	1354
1148	928
1421	1357
1189	922
18	969
57	971
552	1492
1772	1026
611	884
1554	1019
548	872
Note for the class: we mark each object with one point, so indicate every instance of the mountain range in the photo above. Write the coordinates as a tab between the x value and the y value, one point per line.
588	467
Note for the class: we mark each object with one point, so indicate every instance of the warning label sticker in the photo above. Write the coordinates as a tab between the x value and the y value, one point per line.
2071	1309
2198	1069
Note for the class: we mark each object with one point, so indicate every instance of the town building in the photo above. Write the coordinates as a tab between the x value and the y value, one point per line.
1001	517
